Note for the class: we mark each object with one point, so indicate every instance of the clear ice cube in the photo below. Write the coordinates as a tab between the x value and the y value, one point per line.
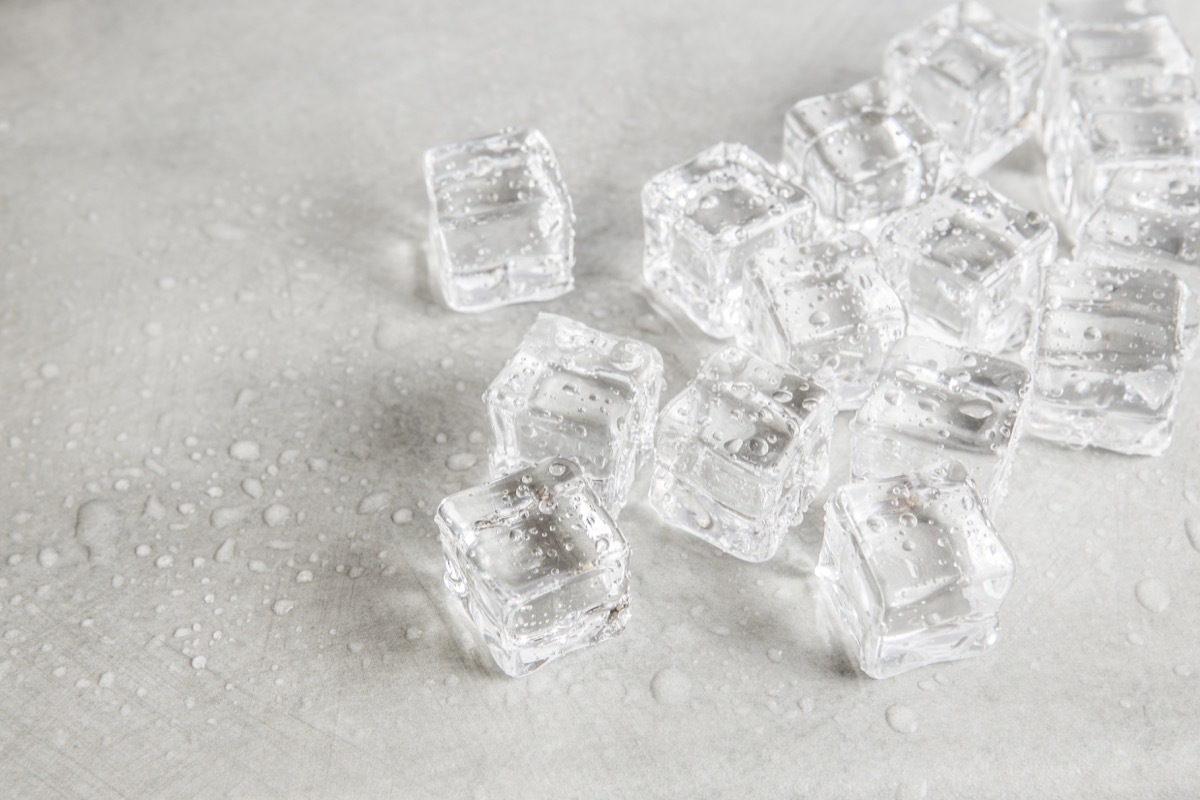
913	570
1114	37
1108	125
576	392
1110	358
968	263
741	452
706	219
1150	218
934	403
827	311
501	228
975	76
537	563
864	153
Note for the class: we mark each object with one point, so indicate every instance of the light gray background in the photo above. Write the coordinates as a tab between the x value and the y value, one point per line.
213	225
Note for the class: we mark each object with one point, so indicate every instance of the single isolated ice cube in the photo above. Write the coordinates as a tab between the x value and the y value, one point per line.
1150	218
968	263
706	219
1108	125
827	311
864	153
975	76
573	391
538	564
1110	358
913	570
934	402
501	228
741	452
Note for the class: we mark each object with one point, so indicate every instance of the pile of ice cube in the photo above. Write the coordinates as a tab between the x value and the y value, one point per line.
871	270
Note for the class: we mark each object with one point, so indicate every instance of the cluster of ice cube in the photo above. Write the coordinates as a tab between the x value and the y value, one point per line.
871	270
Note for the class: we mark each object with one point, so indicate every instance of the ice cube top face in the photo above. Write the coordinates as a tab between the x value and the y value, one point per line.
740	453
914	570
969	264
864	153
1114	36
934	402
1110	358
826	311
706	218
537	563
501	224
974	76
573	391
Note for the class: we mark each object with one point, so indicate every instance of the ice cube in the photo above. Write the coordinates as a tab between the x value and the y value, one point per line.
1114	37
913	570
1110	358
537	563
1108	125
706	218
573	391
864	153
501	228
968	262
741	452
934	402
1150	218
827	311
975	76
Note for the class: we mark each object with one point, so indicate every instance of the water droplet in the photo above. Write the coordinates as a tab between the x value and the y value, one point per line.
902	719
276	515
282	606
97	527
1154	594
374	503
245	450
460	461
671	687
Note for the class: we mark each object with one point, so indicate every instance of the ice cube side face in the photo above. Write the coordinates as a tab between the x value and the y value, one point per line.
1110	358
570	390
913	571
827	312
975	76
933	403
864	153
537	564
501	225
1150	218
741	452
1112	126
969	263
1119	94
706	218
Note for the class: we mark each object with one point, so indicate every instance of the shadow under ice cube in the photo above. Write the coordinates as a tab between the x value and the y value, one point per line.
913	570
741	452
537	563
501	228
1110	358
576	392
706	219
933	403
